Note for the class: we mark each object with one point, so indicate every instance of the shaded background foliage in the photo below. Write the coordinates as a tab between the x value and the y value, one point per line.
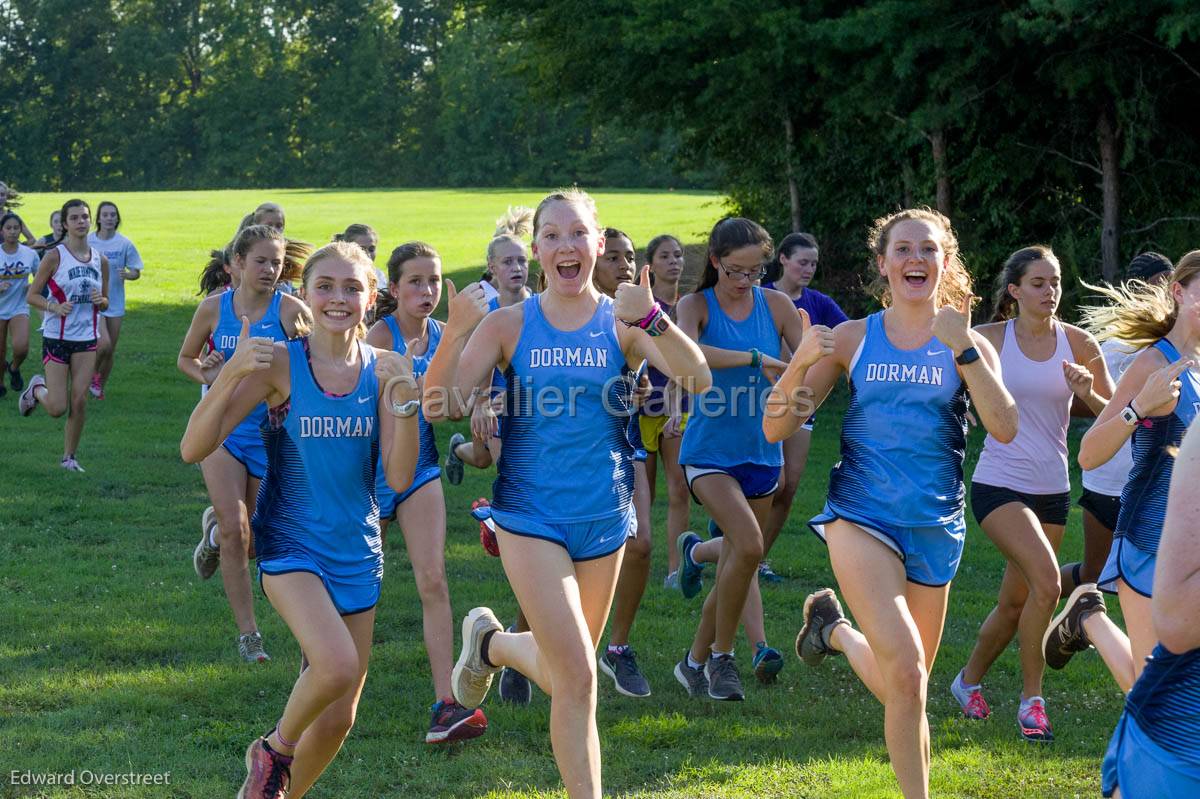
1063	121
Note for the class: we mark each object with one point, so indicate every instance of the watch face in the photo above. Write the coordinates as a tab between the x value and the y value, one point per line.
661	324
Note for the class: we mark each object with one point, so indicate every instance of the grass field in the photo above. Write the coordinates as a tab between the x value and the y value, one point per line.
116	658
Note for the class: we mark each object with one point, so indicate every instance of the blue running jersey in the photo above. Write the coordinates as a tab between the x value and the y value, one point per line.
225	338
725	423
499	384
566	456
1144	500
318	497
903	436
427	459
1166	702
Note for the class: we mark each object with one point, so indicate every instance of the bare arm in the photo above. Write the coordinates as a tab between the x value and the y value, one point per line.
203	321
1176	602
470	349
683	360
997	408
46	269
1087	375
823	356
399	436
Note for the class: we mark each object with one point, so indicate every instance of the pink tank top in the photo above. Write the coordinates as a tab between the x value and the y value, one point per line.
1036	460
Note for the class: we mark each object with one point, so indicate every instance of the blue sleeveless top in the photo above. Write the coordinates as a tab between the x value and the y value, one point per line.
566	456
1144	500
499	384
1166	702
427	458
318	497
225	338
725	424
903	436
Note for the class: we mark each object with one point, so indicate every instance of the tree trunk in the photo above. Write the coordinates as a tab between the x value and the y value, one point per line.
1110	233
793	187
937	140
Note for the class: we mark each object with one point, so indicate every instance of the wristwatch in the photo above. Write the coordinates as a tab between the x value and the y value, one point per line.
969	355
659	326
1130	415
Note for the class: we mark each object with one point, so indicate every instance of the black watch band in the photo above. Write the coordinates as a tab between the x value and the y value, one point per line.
969	355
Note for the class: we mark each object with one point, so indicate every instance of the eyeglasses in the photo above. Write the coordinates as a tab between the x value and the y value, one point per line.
735	274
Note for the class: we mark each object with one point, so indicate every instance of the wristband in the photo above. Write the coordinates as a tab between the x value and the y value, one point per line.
648	319
659	325
755	359
968	356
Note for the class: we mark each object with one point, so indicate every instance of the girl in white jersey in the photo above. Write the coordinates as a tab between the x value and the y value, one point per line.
1020	492
124	263
895	544
77	276
17	263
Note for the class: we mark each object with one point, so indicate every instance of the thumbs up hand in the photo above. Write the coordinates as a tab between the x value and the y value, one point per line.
253	353
633	301
465	309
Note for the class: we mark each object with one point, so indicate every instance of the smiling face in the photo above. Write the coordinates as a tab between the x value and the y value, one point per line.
261	266
419	288
667	262
338	292
800	266
567	245
913	260
509	265
615	266
1040	289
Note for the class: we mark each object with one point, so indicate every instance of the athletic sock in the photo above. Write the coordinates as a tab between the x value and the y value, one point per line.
691	559
617	649
1025	703
961	683
693	664
717	654
483	649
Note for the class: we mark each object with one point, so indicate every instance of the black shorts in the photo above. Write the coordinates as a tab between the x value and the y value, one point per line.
60	350
1105	508
1048	508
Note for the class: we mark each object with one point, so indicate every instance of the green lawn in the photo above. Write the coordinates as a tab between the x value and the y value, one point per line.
115	658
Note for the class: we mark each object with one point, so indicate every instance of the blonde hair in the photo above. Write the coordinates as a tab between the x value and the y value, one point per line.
573	195
955	282
350	253
1140	313
516	224
263	208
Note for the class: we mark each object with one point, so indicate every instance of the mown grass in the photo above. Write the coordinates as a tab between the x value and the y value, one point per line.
115	658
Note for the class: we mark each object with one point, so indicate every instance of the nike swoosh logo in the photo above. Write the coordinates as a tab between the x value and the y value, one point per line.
934	352
264	327
361	400
596	333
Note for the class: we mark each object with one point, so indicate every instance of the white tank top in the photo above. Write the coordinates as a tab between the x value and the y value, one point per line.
1109	478
1036	460
74	281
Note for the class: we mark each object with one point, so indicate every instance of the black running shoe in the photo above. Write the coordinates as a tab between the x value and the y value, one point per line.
821	611
1065	636
515	687
15	380
724	682
692	679
622	667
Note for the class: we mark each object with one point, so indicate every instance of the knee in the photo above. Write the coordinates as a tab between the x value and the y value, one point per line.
79	405
1045	587
336	722
1010	610
20	351
746	552
431	583
907	681
637	549
53	408
336	674
575	675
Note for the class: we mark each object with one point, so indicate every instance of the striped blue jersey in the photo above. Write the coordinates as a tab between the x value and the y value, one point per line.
903	436
318	497
566	455
499	384
1144	500
1166	702
725	423
225	338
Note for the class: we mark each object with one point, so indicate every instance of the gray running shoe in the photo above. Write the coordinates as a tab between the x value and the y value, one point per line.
471	677
821	612
250	647
692	679
622	667
724	682
206	558
454	464
671	581
1065	636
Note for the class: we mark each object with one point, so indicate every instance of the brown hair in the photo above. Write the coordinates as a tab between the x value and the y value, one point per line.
955	282
1012	273
294	252
254	217
385	303
351	253
729	234
1140	313
573	195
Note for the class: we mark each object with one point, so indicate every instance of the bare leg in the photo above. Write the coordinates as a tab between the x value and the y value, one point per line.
233	492
18	326
635	568
679	499
82	366
1124	656
107	346
1097	541
795	459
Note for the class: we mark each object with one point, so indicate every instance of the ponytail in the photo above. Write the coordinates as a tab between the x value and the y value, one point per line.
1140	313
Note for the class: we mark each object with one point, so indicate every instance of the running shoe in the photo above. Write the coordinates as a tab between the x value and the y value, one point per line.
268	773
690	580
28	399
453	722
454	464
481	511
250	647
671	581
206	557
622	667
514	687
714	530
15	380
95	389
70	464
767	663
694	680
767	575
970	699
1065	636
724	683
471	677
821	612
1032	721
